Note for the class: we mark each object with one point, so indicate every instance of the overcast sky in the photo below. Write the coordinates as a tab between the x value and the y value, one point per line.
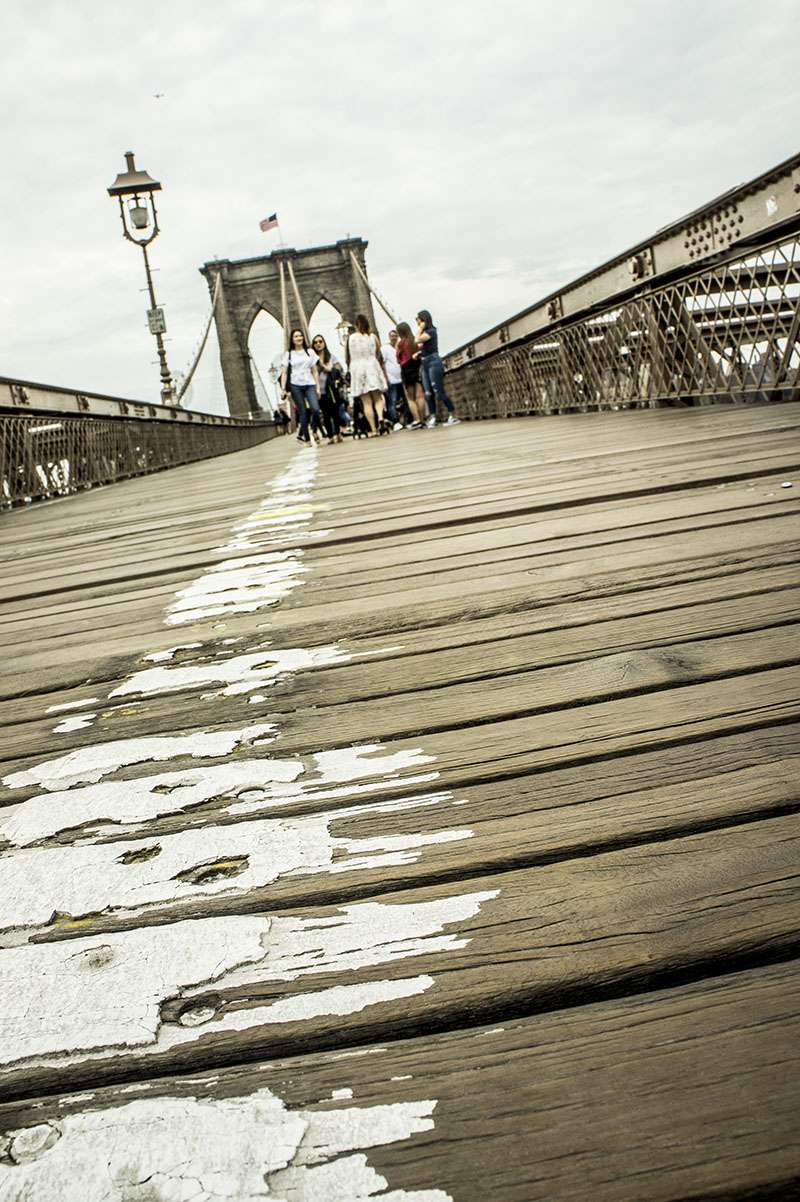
489	152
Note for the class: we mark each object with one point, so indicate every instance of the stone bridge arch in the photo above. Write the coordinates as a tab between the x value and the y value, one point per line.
249	285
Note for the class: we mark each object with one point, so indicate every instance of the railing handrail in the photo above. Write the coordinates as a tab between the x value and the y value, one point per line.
26	396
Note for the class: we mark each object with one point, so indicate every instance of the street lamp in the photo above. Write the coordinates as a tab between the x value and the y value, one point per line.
343	330
137	207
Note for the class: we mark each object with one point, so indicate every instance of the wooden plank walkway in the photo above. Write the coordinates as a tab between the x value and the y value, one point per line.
413	820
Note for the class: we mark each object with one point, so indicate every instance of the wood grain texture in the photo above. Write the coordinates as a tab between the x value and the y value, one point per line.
409	741
684	1092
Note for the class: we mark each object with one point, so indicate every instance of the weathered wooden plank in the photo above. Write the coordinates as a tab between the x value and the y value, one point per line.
685	1092
242	670
187	865
376	608
604	706
63	565
721	597
608	524
195	994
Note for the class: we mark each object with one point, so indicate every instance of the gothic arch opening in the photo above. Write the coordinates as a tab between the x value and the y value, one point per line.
265	344
324	321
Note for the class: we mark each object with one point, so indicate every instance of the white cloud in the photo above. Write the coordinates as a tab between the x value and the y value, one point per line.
488	152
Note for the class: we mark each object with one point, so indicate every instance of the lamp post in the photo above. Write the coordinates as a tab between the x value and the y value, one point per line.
135	190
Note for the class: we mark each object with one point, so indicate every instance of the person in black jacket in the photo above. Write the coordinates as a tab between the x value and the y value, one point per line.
331	379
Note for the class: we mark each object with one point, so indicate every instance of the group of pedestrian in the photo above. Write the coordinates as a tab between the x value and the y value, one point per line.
379	388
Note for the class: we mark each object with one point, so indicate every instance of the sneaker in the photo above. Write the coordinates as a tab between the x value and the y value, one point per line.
453	420
398	426
431	422
415	426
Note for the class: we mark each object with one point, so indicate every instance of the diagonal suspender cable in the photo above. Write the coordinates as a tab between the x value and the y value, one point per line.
300	308
284	307
377	296
188	377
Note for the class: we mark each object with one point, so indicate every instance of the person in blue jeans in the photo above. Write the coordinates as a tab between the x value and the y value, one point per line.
300	377
432	369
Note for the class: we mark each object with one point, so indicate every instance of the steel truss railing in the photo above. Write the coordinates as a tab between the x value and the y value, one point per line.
46	451
729	332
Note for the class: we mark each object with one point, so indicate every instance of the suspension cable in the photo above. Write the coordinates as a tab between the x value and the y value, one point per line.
377	295
187	379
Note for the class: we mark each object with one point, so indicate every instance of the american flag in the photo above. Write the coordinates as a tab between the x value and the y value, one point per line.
268	223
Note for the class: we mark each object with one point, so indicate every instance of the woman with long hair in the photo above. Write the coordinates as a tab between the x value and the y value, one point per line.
367	373
432	369
300	377
330	383
407	357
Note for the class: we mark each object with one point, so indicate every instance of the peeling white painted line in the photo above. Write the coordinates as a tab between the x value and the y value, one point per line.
404	1077
255	784
238	673
72	705
128	802
359	935
238	1149
247	585
347	763
88	764
339	1094
94	997
307	792
106	992
79	722
339	1000
157	657
237	592
203	861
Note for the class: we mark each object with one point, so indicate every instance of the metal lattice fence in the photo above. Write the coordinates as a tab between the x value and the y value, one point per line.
727	333
48	455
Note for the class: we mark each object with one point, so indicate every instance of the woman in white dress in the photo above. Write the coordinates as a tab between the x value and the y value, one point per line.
367	373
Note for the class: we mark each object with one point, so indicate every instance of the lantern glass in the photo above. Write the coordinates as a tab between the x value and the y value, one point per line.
139	214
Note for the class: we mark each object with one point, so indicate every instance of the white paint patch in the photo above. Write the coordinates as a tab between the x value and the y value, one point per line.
347	763
88	764
238	1149
157	657
225	590
238	673
252	785
106	991
72	705
357	936
337	1001
339	1094
201	862
79	722
249	584
95	997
